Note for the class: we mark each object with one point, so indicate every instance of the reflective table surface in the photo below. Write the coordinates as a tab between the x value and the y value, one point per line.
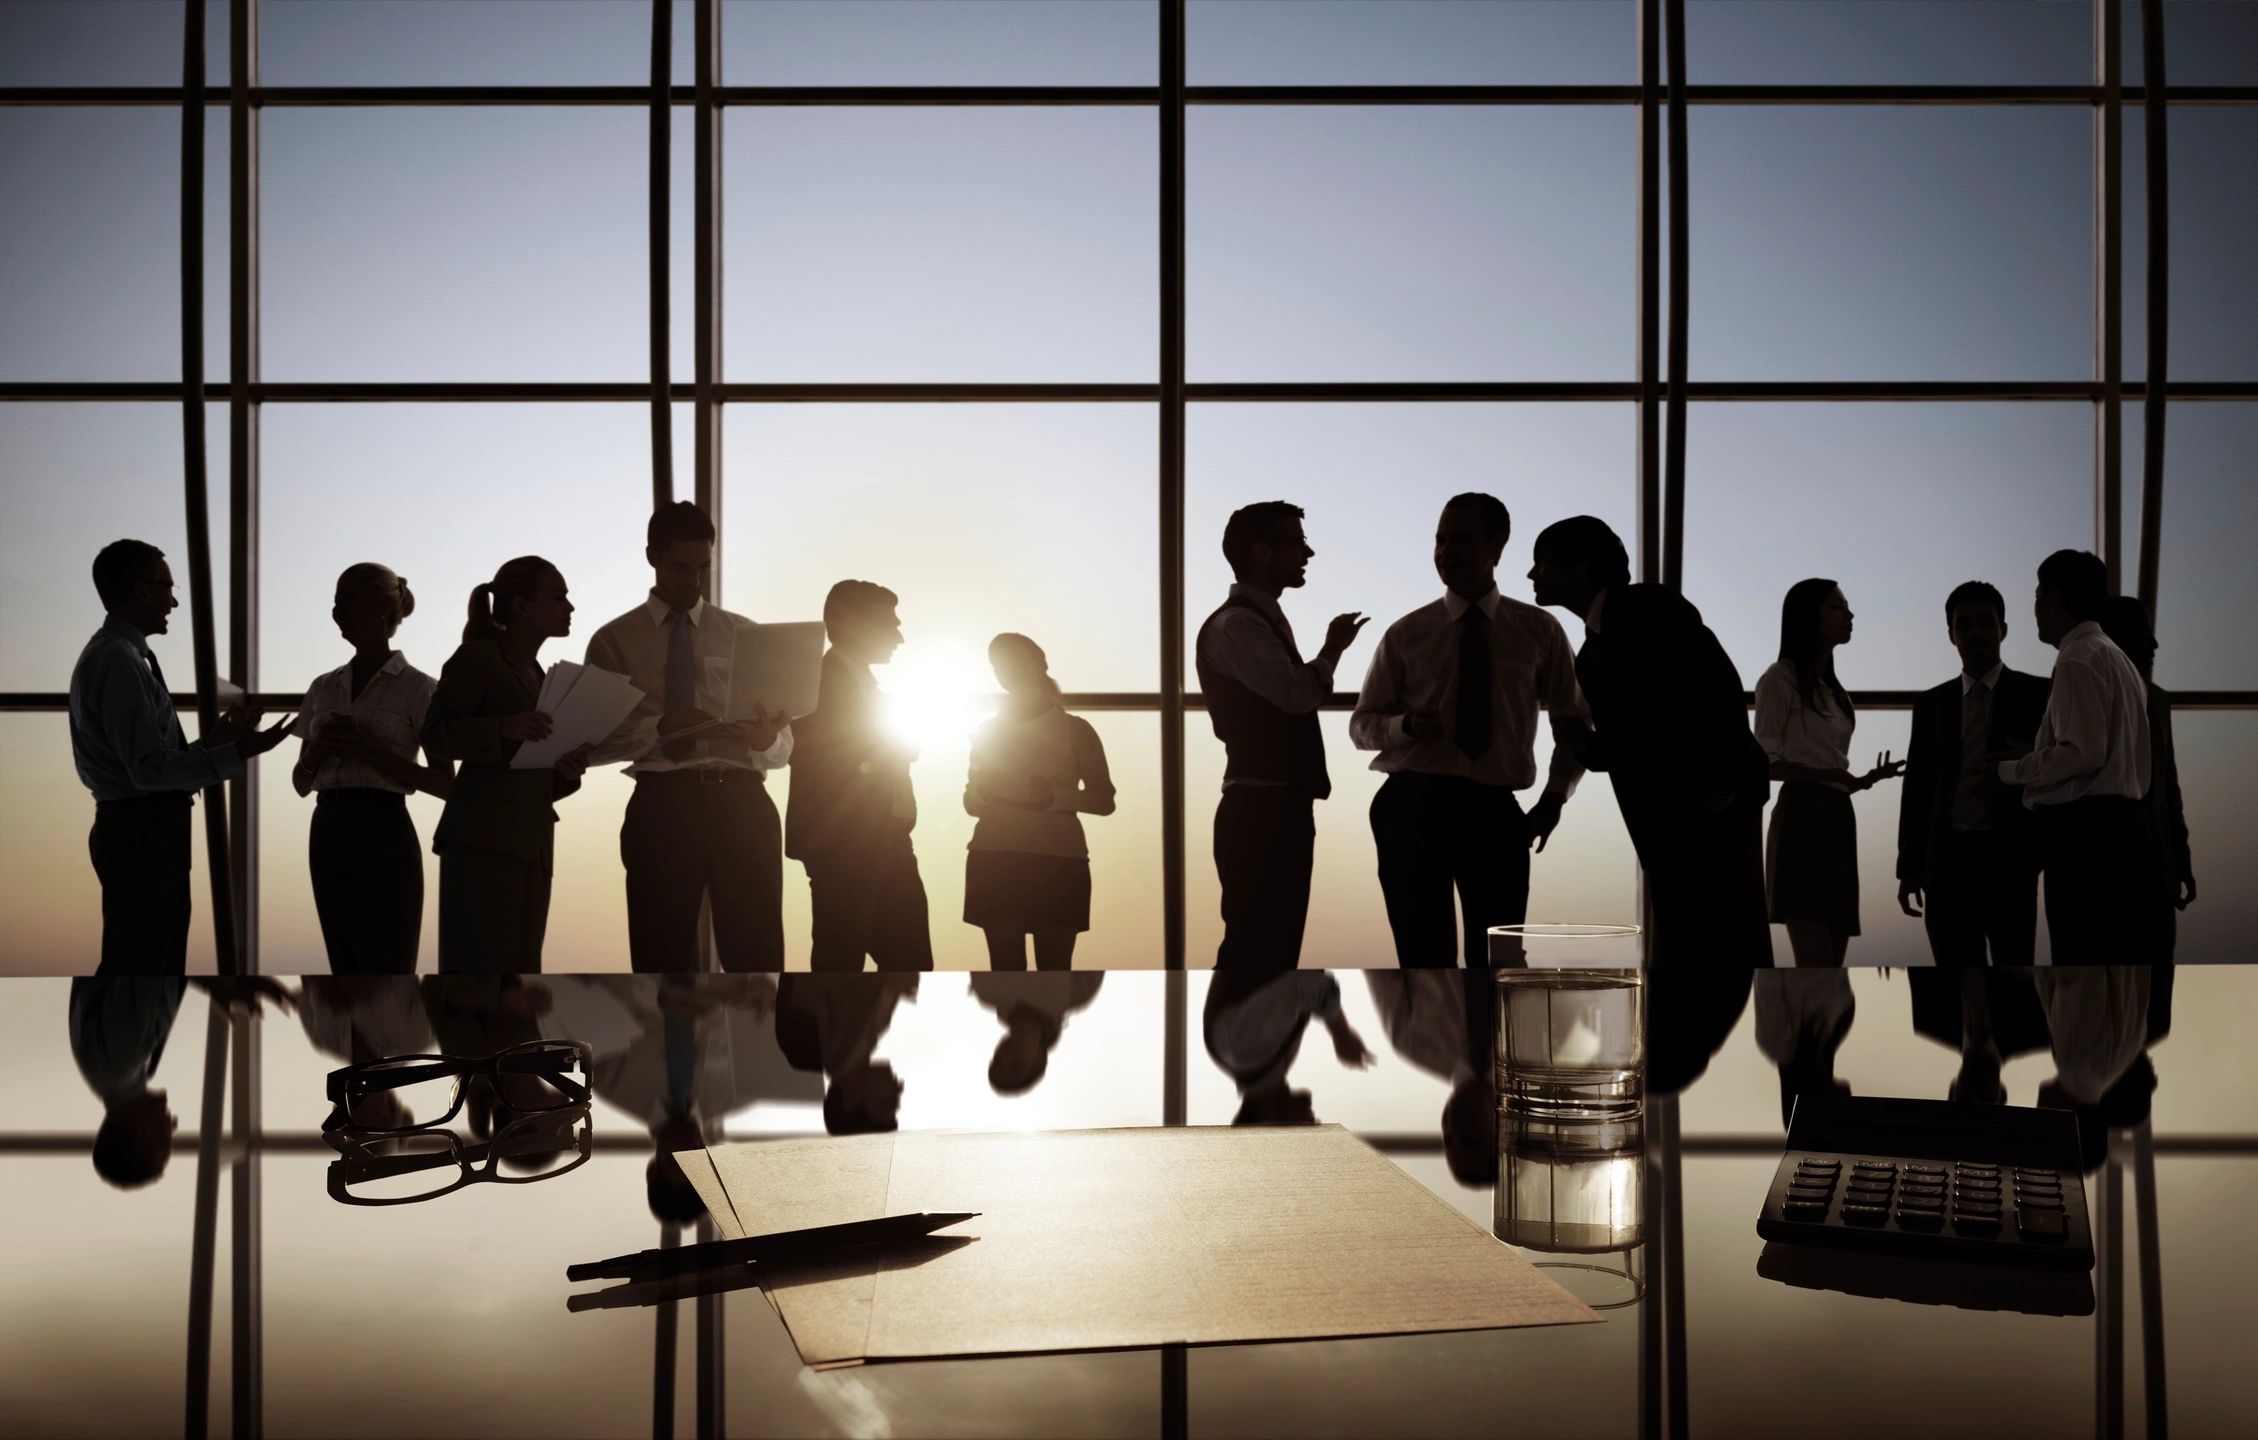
234	1287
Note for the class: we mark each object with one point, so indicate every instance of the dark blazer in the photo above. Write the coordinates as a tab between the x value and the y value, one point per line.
491	806
1932	770
2164	793
850	795
1669	715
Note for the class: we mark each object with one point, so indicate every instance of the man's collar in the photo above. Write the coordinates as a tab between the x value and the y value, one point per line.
1591	616
127	631
1990	677
2082	630
1455	604
658	609
1240	590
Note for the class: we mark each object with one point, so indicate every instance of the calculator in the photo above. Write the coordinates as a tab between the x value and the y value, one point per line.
1933	1180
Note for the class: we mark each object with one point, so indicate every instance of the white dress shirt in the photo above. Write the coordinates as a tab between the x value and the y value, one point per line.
390	708
2093	739
1240	645
1794	733
125	737
634	645
1415	667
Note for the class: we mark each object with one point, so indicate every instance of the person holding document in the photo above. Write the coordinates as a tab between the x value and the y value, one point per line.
701	823
495	840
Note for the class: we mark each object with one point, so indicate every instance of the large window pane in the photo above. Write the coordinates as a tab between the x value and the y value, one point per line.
90	243
1914	243
2206	42
115	42
983	518
951	244
1411	42
940	42
77	478
2214	313
2218	753
1889	42
1436	243
456	244
1898	504
2206	590
457	42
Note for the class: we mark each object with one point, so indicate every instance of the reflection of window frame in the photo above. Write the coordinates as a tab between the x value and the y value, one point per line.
1657	478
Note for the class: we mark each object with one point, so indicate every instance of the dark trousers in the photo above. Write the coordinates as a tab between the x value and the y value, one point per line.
1265	843
1440	833
367	869
687	838
493	912
1704	879
870	903
2103	905
140	849
1982	891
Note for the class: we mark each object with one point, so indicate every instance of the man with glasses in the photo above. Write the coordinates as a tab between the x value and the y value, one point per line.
131	753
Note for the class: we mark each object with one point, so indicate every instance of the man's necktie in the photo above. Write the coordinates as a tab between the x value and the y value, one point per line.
179	736
1472	726
681	678
1968	800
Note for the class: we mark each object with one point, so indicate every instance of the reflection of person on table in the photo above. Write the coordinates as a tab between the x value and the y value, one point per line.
358	730
832	1024
1035	771
496	839
1253	1024
1033	1009
362	1018
1445	1023
118	1030
1802	1018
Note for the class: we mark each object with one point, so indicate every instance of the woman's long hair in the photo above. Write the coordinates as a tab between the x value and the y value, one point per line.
1030	655
1801	647
517	580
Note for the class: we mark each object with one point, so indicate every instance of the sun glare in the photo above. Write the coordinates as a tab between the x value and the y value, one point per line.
937	692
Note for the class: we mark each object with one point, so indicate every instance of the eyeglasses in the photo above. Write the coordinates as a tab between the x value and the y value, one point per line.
402	1094
419	1165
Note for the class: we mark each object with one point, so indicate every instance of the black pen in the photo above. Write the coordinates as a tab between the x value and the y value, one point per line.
785	1245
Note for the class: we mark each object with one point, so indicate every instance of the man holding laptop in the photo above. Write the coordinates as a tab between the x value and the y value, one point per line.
700	824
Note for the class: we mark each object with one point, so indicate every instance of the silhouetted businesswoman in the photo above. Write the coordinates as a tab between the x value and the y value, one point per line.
496	839
1967	854
1670	729
131	753
1262	698
2085	778
1451	703
850	812
1035	771
2125	621
358	731
1804	721
700	824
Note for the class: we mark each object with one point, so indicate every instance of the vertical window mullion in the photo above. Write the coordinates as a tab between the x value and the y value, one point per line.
1172	481
661	247
2108	284
2153	411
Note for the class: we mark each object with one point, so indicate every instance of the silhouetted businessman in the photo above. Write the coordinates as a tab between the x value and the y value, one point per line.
2126	622
850	812
1446	1025
1033	1009
1451	703
1967	852
700	825
2085	779
832	1024
1262	698
1670	729
131	753
1252	1025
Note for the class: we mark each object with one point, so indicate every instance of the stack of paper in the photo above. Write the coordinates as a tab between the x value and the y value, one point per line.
1095	1239
584	705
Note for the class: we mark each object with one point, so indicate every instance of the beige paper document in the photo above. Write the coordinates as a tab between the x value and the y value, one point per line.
1094	1239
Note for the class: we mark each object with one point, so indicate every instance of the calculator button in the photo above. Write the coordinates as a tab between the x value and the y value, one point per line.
1913	1187
1988	1188
2042	1224
1976	1207
1875	1167
1906	1203
2038	1202
1968	1224
1864	1214
2023	1174
1920	1219
1965	1169
2041	1187
2036	1193
1813	1162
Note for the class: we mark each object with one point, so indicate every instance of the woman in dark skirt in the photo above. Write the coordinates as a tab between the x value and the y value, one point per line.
1804	721
359	727
1035	771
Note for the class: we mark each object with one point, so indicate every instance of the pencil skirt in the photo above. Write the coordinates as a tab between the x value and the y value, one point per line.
1811	857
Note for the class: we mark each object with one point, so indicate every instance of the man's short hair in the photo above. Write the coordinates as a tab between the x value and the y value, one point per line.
1588	540
673	1200
1497	521
1975	592
852	602
2080	578
678	520
120	566
1252	524
125	1154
